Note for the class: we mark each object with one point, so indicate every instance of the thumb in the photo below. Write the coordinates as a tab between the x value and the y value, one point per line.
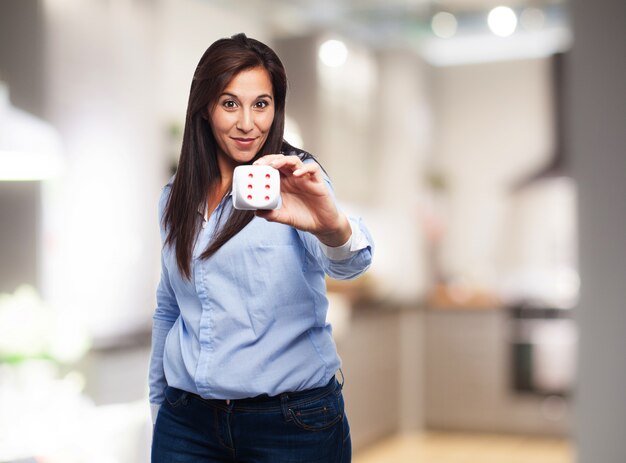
270	215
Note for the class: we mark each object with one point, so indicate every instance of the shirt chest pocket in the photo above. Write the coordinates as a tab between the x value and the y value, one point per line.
274	283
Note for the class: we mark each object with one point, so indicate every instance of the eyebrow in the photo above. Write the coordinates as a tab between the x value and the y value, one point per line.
264	95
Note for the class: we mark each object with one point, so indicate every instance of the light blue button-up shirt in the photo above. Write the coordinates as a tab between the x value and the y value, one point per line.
252	319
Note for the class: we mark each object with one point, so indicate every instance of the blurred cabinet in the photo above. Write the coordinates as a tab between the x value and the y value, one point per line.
370	352
381	354
468	378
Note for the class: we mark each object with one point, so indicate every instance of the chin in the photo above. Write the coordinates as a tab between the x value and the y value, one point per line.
243	158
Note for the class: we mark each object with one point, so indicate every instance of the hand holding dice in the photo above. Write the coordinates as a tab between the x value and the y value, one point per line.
306	201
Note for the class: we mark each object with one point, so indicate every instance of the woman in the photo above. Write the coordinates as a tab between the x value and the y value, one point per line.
243	362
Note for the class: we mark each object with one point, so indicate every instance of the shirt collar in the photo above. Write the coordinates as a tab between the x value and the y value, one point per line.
202	208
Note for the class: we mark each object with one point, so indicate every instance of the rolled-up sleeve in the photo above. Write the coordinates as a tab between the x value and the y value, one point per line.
348	264
356	242
344	262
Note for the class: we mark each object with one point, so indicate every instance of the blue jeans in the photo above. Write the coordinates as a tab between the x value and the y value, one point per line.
299	427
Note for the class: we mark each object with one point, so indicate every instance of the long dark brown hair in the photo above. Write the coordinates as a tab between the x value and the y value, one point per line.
198	171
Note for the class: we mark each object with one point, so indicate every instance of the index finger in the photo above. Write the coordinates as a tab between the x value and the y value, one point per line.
284	163
311	168
267	159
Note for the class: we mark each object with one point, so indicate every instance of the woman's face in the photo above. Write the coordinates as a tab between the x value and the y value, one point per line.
242	118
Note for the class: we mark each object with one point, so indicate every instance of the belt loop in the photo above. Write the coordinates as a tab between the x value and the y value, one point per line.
284	397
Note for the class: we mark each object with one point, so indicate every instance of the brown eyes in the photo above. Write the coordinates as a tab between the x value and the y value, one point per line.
231	104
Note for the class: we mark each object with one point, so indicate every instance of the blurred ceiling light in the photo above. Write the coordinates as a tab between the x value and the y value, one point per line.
502	21
532	19
333	53
29	147
444	25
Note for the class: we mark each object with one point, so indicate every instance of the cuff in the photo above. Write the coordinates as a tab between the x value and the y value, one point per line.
346	250
154	411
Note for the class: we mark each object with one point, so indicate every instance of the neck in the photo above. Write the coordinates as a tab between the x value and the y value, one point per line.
220	186
226	166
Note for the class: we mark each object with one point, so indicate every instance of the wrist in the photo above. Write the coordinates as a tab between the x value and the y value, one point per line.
338	236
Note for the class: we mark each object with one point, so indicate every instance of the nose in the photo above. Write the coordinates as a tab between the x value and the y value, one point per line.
245	122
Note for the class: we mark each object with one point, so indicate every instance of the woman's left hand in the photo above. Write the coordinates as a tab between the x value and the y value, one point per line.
306	201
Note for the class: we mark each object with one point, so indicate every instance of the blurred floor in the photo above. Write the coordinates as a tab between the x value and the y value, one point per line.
443	447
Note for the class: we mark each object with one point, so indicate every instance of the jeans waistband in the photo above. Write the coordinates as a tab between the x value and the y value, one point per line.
266	403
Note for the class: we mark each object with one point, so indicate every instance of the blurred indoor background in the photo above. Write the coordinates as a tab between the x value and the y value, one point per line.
482	142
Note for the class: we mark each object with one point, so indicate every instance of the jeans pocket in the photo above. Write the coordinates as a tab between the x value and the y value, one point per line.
317	415
174	397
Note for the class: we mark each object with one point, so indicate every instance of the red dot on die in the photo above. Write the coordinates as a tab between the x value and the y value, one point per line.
250	175
267	175
267	187
249	187
249	196
267	198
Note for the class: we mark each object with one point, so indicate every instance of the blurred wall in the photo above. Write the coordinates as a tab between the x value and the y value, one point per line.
22	69
368	121
101	82
22	53
597	139
493	125
403	118
113	78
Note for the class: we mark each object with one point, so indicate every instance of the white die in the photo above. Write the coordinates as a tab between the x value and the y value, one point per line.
256	187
